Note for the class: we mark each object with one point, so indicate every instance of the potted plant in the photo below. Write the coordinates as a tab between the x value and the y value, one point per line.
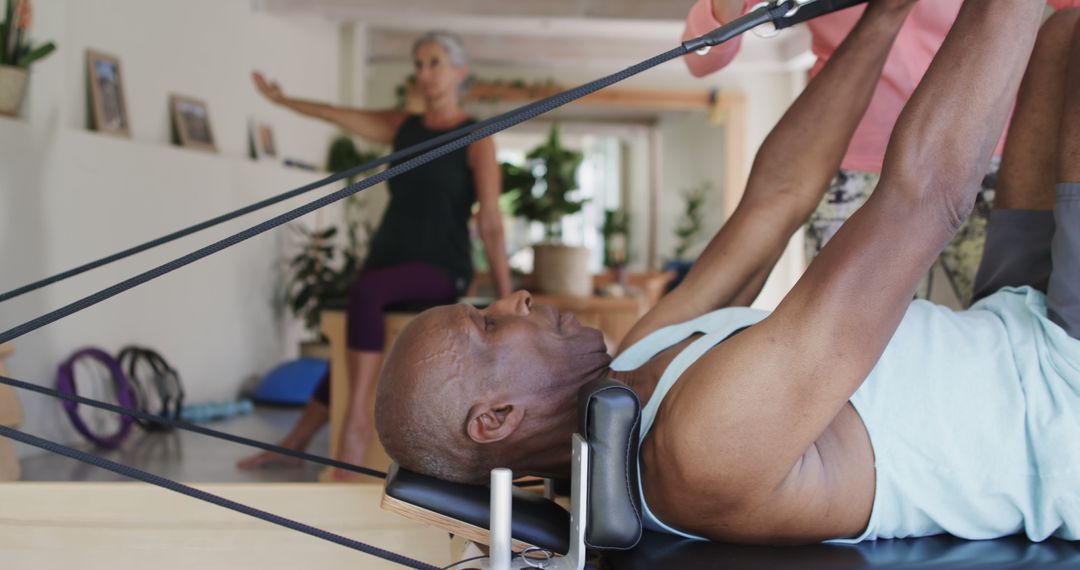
542	188
320	273
688	231
16	54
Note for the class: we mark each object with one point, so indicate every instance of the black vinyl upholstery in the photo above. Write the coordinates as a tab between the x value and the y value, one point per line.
610	419
609	413
658	550
536	520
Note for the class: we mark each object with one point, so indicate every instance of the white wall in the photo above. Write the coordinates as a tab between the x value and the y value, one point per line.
69	196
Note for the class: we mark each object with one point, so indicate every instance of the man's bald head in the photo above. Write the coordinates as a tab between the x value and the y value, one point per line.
466	390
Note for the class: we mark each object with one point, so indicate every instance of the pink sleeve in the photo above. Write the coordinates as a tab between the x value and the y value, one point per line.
701	21
1061	4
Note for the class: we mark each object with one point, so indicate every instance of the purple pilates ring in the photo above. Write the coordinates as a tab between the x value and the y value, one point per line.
125	395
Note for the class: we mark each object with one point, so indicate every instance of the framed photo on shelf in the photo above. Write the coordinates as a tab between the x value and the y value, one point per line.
107	104
261	140
191	123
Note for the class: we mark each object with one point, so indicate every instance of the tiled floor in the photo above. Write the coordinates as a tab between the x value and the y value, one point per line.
188	457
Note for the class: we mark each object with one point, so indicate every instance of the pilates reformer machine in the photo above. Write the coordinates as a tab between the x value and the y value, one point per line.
603	525
605	516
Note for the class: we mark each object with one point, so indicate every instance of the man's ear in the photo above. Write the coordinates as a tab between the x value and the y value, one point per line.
489	423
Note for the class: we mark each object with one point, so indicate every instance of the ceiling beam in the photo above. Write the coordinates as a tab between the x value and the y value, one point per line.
646	10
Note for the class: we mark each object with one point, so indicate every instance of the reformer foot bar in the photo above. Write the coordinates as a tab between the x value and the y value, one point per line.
605	514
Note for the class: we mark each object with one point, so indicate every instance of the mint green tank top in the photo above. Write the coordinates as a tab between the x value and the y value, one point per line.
974	417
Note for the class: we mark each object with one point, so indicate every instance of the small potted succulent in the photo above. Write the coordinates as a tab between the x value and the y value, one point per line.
16	54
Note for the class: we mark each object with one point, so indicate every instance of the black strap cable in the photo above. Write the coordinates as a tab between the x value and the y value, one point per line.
777	14
399	155
192	492
769	13
518	117
180	424
177	423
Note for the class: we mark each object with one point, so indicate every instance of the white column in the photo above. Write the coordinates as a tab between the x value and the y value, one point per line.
352	85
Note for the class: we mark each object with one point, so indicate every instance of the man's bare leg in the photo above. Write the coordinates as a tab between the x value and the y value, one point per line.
1029	166
1021	226
1063	294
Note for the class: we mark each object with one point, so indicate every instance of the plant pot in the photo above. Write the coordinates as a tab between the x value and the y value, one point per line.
12	89
562	270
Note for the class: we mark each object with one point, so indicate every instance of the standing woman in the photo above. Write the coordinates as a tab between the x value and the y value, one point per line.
421	252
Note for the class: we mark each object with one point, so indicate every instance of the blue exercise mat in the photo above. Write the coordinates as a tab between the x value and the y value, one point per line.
292	382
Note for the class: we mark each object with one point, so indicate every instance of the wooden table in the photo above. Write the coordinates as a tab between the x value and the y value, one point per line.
613	316
10	416
104	526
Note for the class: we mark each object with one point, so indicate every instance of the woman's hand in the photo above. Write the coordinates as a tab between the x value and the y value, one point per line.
270	89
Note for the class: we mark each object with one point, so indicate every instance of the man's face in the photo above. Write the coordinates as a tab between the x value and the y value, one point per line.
521	348
505	377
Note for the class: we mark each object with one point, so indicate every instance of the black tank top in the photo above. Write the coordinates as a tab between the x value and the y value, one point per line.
428	215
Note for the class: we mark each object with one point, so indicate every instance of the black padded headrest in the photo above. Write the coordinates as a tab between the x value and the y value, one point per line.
536	520
609	413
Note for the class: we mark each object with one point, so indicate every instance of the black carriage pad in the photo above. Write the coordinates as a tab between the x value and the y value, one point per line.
536	521
609	415
658	550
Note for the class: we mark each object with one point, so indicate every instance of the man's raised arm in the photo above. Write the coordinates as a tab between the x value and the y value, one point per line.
786	378
790	174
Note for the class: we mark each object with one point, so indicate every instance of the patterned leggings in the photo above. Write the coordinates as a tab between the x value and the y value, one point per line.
849	190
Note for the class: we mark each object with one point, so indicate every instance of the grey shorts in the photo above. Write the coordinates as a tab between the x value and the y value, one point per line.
1039	249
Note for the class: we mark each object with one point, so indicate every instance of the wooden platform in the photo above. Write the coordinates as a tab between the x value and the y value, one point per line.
105	526
10	416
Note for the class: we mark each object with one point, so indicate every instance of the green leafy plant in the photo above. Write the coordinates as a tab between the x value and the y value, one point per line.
319	274
15	47
344	155
691	224
542	187
323	269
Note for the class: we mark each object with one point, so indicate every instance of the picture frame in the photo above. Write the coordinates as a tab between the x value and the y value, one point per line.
107	102
261	143
191	123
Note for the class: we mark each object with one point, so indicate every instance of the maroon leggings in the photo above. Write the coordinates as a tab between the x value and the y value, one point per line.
376	289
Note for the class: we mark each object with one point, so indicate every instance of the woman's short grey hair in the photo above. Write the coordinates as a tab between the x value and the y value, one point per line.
454	47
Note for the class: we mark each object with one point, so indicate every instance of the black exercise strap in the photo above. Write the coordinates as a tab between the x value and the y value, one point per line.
518	117
176	422
171	485
776	15
402	154
782	14
180	424
736	27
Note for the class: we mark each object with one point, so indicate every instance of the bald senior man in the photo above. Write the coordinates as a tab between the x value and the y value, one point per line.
850	412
